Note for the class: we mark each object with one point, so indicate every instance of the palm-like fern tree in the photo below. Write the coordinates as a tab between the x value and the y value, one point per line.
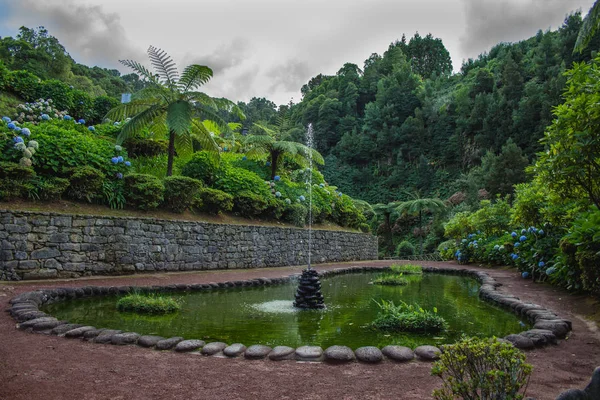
172	104
418	206
271	142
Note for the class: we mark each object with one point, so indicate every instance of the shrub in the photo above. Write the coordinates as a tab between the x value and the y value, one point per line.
114	194
408	318
85	183
364	227
60	93
213	201
345	212
481	369
459	225
148	304
180	192
15	180
234	180
202	166
51	188
32	112
141	147
295	213
391	280
405	248
24	84
102	105
143	191
447	249
408	269
249	204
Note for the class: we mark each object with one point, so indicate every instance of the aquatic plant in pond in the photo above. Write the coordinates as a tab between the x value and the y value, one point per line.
391	279
408	269
266	315
148	304
408	318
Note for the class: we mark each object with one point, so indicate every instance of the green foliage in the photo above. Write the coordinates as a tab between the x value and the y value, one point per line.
582	246
345	212
144	192
407	318
234	180
15	180
571	165
202	167
405	248
296	214
51	188
85	183
391	280
148	303
24	84
214	201
476	368
364	227
114	195
407	269
142	147
180	192
447	249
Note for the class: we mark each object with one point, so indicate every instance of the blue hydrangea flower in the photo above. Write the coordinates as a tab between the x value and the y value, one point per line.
514	256
116	124
20	146
288	201
470	235
119	175
18	139
120	159
268	163
302	198
115	160
18	129
118	148
517	244
277	178
464	241
11	125
25	132
523	238
244	158
523	231
541	232
277	194
6	119
45	117
340	194
550	271
127	163
92	128
541	264
67	118
514	234
525	275
496	247
81	121
322	185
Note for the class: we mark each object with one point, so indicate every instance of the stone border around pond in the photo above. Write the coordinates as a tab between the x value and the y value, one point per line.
547	326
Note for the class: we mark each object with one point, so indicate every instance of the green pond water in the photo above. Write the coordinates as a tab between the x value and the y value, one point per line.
265	315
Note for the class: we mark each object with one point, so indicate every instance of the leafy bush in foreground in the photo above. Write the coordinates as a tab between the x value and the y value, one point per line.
180	192
85	183
148	304
213	201
408	318
476	369
405	248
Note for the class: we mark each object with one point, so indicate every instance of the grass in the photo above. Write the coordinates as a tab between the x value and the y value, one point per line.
148	304
408	269
408	318
391	280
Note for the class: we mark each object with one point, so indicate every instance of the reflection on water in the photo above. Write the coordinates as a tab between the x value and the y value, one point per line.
265	315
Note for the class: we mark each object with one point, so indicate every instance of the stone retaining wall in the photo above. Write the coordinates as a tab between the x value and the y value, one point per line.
36	245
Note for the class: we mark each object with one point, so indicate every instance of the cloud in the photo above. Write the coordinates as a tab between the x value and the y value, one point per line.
288	76
491	21
223	58
91	35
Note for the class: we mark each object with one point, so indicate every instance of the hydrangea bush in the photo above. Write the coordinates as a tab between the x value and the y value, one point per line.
38	111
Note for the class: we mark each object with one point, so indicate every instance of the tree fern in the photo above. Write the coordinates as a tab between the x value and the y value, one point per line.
588	29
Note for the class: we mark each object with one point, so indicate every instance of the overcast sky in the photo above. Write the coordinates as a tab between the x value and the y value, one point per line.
270	48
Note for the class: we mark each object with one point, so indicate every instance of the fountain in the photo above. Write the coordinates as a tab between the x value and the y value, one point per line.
308	295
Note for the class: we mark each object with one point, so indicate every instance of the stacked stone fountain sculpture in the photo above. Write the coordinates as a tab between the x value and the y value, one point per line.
308	295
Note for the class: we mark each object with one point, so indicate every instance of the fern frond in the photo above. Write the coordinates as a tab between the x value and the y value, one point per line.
164	65
194	76
179	117
183	145
123	111
201	135
140	121
140	70
266	129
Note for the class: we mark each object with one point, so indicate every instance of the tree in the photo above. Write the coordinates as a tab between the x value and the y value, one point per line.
170	103
418	206
590	26
571	163
271	141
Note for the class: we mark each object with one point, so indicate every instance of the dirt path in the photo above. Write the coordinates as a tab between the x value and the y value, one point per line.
44	367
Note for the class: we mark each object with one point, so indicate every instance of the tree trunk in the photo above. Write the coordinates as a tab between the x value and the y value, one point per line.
274	162
421	232
171	153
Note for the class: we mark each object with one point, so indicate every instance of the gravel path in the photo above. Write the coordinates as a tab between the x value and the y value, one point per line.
47	367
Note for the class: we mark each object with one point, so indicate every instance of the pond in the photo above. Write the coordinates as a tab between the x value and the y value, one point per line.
265	315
